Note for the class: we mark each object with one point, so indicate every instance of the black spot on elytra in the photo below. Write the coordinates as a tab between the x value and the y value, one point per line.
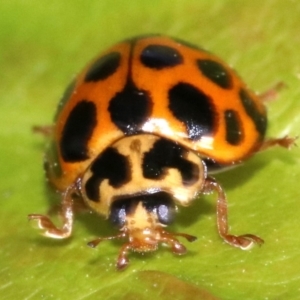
77	132
110	165
161	204
252	111
166	154
234	130
130	108
160	57
103	67
194	108
215	72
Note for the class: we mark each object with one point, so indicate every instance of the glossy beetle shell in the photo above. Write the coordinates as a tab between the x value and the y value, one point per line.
157	85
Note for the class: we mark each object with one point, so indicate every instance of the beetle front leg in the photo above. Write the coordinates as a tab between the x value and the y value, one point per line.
47	227
122	261
245	241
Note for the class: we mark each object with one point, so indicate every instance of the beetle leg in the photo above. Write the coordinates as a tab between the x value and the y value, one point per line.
243	242
176	246
272	93
285	142
45	130
188	237
47	227
95	243
166	237
122	260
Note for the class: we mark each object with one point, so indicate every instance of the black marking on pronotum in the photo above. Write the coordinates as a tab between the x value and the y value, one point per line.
160	56
252	111
130	108
194	108
77	131
161	204
103	67
234	129
110	165
215	72
166	154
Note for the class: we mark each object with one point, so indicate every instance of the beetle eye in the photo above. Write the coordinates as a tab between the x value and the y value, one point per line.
162	205
117	214
165	213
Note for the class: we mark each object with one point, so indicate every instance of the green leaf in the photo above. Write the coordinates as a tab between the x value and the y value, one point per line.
43	46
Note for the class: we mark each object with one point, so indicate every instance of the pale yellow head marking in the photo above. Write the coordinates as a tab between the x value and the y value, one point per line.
140	218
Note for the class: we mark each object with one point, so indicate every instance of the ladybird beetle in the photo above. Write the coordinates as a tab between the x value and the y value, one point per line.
139	132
